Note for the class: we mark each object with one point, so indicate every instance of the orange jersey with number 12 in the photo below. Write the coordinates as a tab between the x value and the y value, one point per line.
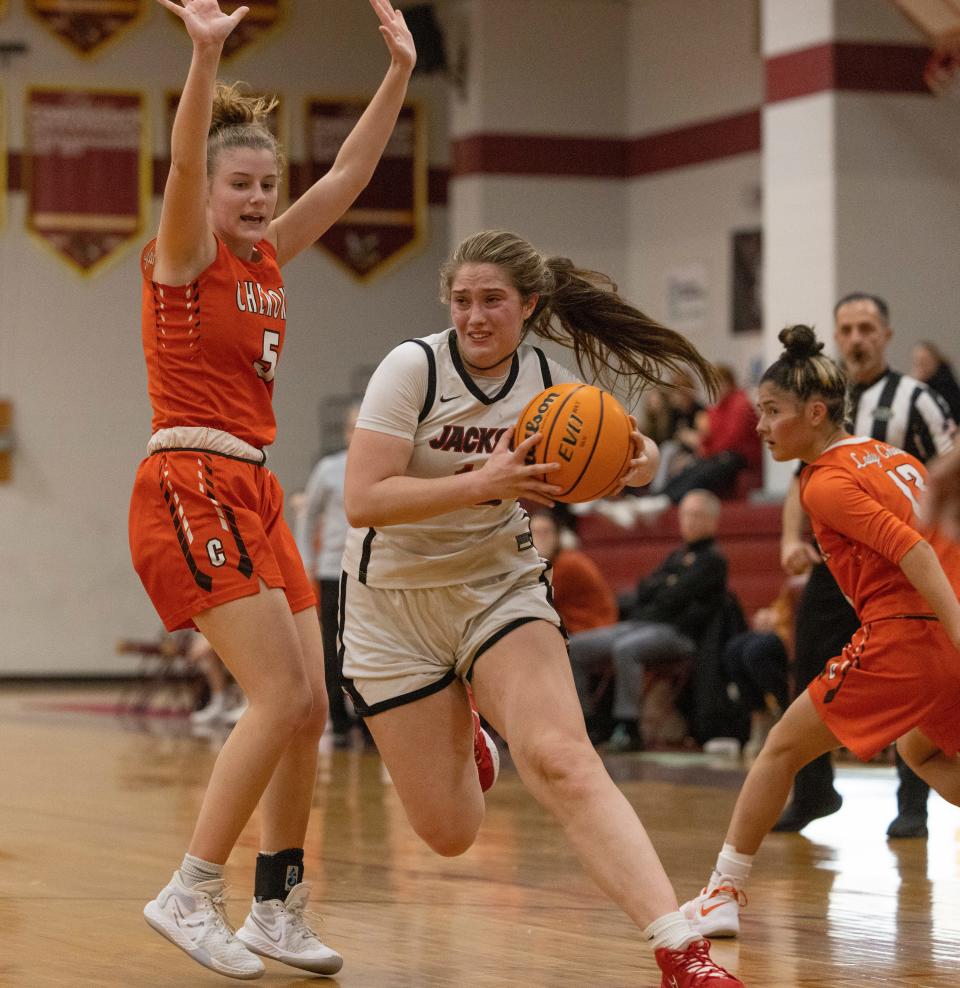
212	345
862	498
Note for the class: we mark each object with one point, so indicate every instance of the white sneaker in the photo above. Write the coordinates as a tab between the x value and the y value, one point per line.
195	920
715	912
232	715
212	712
278	930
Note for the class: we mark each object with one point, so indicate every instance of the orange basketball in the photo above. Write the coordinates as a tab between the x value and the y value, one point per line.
587	431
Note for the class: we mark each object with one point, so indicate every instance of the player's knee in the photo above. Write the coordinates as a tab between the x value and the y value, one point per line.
291	706
559	762
914	752
786	747
448	838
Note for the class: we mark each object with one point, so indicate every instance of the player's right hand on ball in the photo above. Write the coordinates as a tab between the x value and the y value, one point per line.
508	475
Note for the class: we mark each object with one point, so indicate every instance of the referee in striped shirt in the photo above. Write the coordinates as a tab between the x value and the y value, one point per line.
899	410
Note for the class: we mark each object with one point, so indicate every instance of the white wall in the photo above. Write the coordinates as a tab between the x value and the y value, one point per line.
690	63
682	221
898	213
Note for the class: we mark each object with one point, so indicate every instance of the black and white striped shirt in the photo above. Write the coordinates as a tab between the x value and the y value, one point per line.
903	412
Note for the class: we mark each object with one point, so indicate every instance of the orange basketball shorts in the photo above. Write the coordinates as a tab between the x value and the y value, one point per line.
206	529
896	674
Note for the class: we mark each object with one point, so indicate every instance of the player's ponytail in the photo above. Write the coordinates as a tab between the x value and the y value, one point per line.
613	342
240	121
804	371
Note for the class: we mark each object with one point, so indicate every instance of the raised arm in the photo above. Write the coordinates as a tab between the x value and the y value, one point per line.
378	492
185	242
330	197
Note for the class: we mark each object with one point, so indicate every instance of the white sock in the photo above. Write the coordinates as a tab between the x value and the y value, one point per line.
672	931
195	870
732	864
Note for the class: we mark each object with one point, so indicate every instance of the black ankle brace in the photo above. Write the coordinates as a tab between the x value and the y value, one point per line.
278	873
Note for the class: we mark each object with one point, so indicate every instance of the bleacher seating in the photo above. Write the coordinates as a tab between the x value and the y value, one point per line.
749	537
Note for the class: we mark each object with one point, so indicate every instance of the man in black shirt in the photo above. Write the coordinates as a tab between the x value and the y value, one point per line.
670	610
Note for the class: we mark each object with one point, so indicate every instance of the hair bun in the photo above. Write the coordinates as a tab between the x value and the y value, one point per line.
232	107
800	342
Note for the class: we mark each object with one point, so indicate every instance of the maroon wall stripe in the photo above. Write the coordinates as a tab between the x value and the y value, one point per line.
519	154
523	154
846	66
693	145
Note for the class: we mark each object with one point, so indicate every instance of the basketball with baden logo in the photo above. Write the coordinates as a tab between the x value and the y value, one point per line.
587	431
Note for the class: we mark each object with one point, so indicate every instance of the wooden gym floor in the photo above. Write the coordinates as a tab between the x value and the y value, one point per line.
96	810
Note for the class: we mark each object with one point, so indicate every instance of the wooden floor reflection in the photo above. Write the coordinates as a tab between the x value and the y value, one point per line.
95	812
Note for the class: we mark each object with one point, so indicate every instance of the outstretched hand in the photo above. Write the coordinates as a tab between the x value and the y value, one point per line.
206	23
393	27
506	474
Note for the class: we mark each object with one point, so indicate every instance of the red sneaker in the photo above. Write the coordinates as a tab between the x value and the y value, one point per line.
693	968
485	754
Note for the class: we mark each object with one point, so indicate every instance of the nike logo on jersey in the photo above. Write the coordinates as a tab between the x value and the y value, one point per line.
475	439
446	398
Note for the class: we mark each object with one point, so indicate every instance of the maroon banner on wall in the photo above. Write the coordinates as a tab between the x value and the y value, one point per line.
388	219
87	171
262	17
85	25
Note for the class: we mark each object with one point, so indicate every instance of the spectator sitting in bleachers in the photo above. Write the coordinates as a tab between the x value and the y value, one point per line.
681	422
756	664
581	596
670	611
725	442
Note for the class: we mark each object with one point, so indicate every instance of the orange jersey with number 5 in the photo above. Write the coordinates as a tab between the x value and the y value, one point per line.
212	345
862	498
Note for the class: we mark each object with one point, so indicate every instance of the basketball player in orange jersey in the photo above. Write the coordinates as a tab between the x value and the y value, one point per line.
442	584
899	677
206	521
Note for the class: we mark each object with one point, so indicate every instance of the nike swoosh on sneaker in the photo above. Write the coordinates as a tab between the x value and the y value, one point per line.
178	916
704	911
270	931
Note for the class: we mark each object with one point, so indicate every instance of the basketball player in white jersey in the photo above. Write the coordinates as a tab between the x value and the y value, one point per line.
442	585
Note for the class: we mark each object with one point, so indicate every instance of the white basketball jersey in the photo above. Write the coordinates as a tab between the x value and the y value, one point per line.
423	392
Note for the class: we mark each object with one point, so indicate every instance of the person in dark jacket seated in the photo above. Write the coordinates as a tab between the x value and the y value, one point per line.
671	608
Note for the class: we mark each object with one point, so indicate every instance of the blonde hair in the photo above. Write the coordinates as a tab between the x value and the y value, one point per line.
240	121
582	311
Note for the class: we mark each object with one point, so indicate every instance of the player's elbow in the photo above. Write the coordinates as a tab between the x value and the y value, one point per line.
361	511
356	515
